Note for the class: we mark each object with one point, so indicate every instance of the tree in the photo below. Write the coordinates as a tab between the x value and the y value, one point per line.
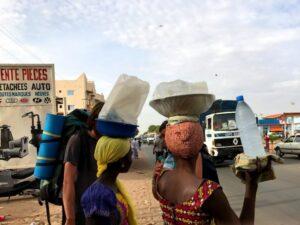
153	128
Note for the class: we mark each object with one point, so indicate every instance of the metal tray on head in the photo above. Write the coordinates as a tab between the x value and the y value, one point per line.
182	105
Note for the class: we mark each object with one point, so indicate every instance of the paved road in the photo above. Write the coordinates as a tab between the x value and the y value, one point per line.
278	201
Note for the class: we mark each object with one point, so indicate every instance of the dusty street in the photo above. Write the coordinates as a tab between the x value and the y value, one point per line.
277	201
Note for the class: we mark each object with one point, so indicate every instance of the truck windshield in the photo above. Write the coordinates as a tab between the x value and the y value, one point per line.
224	122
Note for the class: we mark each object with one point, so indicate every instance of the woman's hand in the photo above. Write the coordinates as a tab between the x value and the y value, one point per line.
158	168
251	177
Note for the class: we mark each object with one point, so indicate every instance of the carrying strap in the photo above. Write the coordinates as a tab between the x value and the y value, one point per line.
48	212
51	140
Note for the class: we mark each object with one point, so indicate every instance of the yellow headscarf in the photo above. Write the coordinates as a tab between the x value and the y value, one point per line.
109	150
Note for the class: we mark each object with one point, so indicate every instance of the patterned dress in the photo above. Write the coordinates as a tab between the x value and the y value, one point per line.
99	200
189	212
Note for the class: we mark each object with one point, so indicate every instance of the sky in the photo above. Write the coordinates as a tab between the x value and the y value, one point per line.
237	47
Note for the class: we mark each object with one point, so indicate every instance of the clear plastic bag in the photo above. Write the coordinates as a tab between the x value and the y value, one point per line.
180	98
179	87
126	100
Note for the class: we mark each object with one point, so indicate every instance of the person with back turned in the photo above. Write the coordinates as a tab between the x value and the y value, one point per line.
80	168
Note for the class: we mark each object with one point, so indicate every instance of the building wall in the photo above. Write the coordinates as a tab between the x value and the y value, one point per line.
290	122
79	93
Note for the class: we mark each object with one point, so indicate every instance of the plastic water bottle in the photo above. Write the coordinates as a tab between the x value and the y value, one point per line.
249	132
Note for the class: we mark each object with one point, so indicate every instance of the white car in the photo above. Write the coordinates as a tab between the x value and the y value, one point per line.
289	146
150	140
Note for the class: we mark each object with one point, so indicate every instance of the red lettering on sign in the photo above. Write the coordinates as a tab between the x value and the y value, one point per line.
17	74
34	74
45	75
9	74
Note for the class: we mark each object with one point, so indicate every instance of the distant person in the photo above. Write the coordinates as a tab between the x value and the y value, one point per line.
106	202
80	168
159	148
135	148
267	141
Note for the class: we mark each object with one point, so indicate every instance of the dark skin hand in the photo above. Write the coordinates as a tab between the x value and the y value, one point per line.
175	189
218	206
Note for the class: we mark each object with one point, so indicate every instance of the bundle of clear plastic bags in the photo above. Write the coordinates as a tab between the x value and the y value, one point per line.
126	100
180	98
179	87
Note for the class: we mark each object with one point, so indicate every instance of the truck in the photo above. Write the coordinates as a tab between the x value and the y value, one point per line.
221	134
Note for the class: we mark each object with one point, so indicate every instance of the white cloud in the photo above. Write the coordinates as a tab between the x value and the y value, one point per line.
288	84
253	46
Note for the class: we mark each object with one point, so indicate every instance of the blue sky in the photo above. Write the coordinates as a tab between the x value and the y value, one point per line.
253	46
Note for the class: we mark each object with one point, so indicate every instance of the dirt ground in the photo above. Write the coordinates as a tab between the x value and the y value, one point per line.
26	210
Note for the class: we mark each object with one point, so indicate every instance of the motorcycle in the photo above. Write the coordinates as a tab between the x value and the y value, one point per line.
19	181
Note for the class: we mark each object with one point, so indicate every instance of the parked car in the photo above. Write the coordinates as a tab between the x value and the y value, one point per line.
144	140
289	146
150	140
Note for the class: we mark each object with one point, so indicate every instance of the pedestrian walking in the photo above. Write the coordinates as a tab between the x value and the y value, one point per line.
140	143
106	201
267	141
80	168
135	148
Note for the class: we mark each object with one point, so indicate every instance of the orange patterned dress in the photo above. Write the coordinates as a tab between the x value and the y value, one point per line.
189	212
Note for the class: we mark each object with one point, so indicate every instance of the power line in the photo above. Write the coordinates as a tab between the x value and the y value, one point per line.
19	43
8	52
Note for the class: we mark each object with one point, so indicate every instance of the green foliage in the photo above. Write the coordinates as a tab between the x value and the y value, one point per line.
274	137
153	128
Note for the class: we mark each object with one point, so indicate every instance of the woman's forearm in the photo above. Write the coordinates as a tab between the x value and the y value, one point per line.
248	210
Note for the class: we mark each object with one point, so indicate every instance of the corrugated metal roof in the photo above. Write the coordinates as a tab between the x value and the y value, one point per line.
273	116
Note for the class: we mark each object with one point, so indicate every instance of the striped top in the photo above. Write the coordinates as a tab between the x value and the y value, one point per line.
189	212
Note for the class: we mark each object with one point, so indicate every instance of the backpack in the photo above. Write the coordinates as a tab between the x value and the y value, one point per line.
50	190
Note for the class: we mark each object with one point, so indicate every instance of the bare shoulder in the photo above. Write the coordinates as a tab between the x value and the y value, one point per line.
163	180
176	187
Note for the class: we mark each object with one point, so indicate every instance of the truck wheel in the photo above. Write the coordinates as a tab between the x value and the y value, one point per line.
217	161
298	156
278	152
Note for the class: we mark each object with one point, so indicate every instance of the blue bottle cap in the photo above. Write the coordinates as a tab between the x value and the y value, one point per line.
240	98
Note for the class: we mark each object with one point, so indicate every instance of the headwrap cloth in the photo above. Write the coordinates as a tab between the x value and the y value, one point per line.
110	150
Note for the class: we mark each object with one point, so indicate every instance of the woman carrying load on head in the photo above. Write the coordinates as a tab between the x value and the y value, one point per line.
105	201
186	199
